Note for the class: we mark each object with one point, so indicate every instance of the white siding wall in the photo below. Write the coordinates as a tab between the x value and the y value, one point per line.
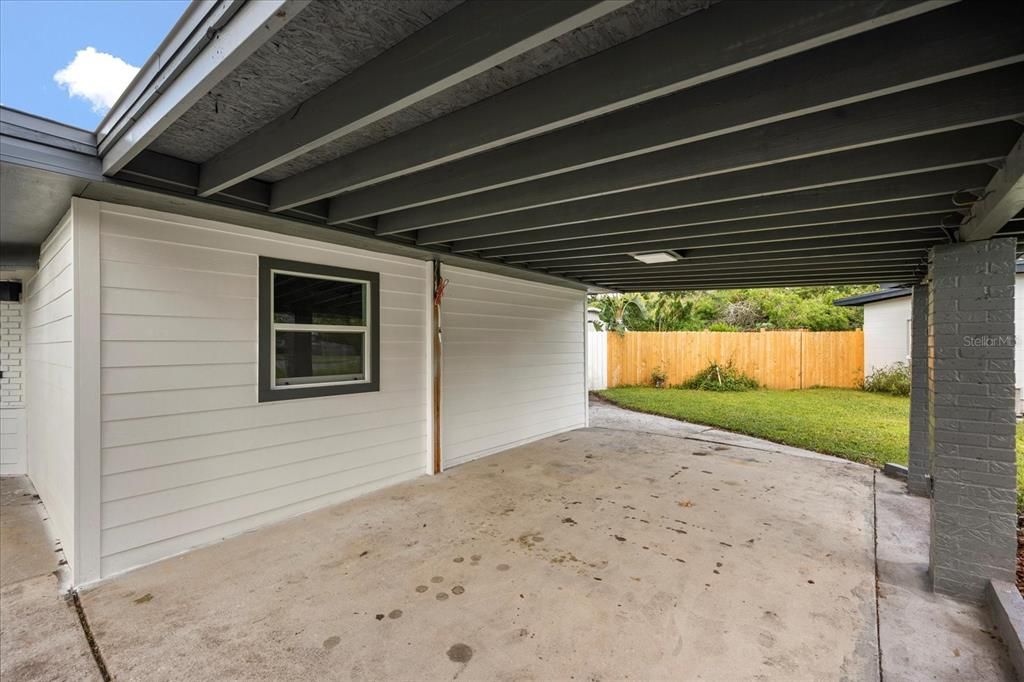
513	363
188	454
597	359
12	389
48	306
886	333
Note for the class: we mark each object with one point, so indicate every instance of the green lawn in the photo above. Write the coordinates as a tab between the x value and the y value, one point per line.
864	427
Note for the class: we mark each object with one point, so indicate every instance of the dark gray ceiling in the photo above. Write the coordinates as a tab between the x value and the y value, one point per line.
34	201
765	143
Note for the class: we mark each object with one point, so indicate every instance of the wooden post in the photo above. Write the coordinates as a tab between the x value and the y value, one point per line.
436	336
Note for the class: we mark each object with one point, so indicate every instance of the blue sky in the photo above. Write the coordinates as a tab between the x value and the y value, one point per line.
39	38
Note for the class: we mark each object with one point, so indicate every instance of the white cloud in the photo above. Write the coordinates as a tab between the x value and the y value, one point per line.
97	77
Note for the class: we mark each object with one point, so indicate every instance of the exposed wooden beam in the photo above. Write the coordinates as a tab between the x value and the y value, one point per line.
897	238
185	68
855	252
1002	199
975	100
856	196
643	239
794	281
985	144
741	280
723	39
843	73
821	266
709	238
466	41
684	268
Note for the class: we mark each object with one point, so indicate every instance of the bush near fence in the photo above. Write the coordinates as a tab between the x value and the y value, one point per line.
776	359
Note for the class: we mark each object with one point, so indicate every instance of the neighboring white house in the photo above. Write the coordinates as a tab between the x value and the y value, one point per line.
887	327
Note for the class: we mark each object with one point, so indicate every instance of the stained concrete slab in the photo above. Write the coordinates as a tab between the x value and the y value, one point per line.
604	553
40	634
25	548
926	636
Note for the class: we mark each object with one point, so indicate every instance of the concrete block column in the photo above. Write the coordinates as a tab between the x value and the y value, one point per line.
919	459
971	422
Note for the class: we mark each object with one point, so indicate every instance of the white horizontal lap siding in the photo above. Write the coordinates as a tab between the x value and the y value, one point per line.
513	363
12	441
189	455
886	333
597	359
48	309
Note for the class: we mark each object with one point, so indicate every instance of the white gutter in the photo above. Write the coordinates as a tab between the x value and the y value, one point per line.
209	41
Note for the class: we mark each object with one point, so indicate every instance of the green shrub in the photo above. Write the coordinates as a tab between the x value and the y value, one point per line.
719	377
893	379
659	377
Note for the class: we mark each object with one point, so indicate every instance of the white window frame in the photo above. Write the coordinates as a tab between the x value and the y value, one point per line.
288	327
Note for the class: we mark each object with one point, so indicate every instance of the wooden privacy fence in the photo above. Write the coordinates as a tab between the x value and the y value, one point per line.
777	359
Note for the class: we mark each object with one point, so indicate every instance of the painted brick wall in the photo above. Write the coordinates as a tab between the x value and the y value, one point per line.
12	389
12	355
920	460
971	389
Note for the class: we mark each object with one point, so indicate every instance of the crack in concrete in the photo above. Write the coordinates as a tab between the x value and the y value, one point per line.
94	647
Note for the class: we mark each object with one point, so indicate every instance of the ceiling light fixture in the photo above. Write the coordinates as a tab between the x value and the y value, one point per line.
657	257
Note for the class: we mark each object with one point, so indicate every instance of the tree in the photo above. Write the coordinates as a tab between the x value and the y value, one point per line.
736	309
613	309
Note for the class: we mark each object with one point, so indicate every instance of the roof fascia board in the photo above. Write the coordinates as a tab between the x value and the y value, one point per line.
54	132
37	142
211	52
872	297
202	13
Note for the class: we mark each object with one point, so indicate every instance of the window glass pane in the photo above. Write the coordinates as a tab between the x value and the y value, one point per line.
309	300
319	357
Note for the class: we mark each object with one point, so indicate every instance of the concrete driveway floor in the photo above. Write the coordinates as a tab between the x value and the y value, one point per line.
605	553
40	635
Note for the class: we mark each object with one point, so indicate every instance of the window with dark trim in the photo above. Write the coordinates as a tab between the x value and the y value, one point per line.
319	330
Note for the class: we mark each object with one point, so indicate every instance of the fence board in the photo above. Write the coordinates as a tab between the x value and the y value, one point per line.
777	359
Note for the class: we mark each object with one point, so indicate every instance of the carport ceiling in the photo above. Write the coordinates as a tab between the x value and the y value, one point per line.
765	143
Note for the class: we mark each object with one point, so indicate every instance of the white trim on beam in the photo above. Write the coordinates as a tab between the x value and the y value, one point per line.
441	54
1002	200
190	76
